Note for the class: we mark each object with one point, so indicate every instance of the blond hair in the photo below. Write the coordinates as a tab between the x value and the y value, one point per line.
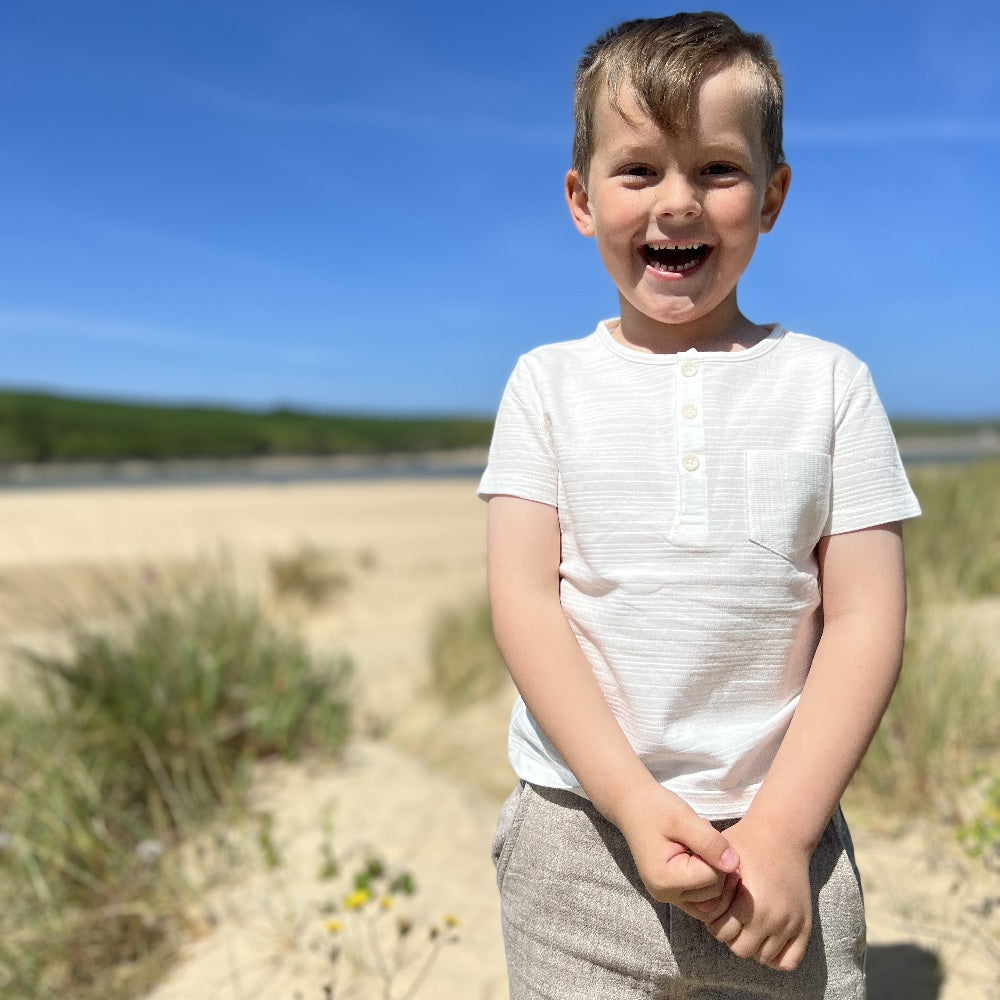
661	61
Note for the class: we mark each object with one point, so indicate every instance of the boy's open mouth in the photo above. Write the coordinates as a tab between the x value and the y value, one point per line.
675	258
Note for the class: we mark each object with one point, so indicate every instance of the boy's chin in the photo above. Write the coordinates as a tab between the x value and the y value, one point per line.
678	311
679	318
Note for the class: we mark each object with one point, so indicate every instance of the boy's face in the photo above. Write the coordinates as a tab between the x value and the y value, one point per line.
677	218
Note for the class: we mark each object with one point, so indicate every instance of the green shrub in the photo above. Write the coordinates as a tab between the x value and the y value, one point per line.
981	835
190	683
143	733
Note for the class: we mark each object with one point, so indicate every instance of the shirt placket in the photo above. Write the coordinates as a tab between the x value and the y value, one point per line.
690	525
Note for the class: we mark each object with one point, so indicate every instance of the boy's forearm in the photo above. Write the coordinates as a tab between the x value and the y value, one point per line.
553	676
848	688
680	857
828	737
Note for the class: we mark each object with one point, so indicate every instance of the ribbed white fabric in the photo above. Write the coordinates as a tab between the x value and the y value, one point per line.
692	490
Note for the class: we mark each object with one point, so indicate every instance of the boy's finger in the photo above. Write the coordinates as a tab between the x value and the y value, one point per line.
711	909
771	950
684	878
790	957
705	898
711	846
726	928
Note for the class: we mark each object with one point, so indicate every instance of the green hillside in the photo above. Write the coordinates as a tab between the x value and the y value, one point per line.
39	427
913	427
36	427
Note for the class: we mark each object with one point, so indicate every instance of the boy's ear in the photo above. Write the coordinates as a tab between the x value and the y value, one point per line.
774	197
579	203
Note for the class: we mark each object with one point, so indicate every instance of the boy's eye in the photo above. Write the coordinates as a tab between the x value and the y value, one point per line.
720	169
637	170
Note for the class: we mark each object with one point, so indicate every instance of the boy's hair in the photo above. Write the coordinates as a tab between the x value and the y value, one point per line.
661	60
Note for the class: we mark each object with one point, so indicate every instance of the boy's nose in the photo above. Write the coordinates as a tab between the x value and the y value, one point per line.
676	198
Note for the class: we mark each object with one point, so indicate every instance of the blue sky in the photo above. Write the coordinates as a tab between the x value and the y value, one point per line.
356	206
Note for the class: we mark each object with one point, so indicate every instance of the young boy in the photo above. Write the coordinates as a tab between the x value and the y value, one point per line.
695	569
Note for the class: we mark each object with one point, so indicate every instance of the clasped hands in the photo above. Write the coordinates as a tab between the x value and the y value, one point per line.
749	888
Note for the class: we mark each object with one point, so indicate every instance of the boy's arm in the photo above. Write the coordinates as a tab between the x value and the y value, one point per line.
845	695
558	686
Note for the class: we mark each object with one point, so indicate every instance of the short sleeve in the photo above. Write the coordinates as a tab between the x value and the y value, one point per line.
521	460
869	484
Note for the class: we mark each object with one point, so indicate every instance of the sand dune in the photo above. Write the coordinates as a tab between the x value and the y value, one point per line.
421	787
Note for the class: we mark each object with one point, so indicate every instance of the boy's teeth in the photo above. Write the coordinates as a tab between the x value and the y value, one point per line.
675	257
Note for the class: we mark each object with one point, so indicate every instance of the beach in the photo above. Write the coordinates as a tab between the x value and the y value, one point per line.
419	783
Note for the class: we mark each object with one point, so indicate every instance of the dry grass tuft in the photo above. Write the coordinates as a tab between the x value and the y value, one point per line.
466	665
941	735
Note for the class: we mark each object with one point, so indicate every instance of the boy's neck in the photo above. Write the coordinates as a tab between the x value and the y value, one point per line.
725	333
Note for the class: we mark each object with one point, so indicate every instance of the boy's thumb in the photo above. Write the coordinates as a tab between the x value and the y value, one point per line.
711	846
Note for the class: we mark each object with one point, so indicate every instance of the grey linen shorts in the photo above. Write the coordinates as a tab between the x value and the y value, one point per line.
578	924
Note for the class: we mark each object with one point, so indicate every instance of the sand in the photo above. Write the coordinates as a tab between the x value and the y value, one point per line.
419	785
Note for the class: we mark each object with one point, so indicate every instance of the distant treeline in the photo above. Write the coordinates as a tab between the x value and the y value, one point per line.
911	428
36	427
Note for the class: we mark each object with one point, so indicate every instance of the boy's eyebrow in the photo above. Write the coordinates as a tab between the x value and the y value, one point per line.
728	144
736	144
629	146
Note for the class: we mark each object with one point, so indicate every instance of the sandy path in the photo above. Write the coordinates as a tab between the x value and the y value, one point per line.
410	548
270	938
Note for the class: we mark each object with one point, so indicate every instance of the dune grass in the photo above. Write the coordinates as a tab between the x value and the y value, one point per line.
466	665
940	737
141	737
953	550
940	733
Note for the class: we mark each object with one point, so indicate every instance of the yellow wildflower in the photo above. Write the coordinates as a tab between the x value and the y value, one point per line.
386	902
357	899
335	926
450	920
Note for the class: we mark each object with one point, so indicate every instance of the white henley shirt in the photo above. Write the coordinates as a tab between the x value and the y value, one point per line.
692	490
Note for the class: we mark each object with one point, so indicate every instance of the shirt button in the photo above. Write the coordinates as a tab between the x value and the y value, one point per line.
690	462
689	368
689	411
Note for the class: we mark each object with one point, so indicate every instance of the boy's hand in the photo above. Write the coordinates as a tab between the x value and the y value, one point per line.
770	916
681	858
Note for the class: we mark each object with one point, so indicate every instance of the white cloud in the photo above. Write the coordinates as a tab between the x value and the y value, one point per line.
22	322
395	117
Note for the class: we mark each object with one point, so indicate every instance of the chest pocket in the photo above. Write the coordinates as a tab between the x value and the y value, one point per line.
787	500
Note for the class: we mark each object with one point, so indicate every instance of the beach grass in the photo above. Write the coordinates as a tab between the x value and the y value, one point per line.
953	549
940	738
309	573
466	665
140	740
